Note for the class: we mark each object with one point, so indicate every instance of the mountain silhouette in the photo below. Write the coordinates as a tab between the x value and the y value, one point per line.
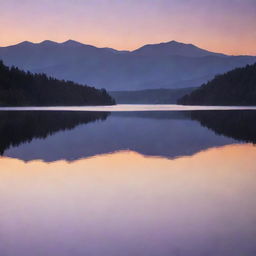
167	65
174	48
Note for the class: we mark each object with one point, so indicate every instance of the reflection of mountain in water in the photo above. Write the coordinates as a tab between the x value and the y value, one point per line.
19	127
157	115
166	134
239	125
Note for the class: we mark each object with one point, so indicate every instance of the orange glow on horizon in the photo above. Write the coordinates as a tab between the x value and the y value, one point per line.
226	26
133	161
247	48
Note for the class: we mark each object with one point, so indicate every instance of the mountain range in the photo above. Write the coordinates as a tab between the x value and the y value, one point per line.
170	65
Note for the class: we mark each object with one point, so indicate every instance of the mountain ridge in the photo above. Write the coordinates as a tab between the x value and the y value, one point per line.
71	42
175	48
162	65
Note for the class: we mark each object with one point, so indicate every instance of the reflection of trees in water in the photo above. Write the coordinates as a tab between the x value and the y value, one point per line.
239	125
20	127
127	131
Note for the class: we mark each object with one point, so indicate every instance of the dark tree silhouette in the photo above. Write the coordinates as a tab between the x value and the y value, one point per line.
20	88
237	87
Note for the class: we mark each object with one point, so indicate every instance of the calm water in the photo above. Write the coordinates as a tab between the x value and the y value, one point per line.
146	183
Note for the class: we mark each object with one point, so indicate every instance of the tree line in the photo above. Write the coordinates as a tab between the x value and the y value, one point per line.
20	88
237	87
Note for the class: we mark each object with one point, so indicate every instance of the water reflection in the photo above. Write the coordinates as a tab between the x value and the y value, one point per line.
20	127
240	125
52	136
167	134
126	204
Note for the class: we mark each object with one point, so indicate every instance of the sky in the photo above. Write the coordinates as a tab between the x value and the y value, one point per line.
227	26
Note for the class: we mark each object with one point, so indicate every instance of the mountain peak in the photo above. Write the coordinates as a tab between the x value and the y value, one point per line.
71	42
173	42
47	42
24	43
173	48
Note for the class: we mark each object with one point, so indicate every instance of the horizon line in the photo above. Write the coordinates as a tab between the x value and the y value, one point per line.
107	47
123	50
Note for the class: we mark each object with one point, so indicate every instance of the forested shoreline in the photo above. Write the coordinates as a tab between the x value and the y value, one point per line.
20	88
237	87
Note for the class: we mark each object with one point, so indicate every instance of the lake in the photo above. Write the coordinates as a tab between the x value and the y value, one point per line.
141	180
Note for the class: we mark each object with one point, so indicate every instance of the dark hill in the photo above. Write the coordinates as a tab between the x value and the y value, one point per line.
19	88
237	87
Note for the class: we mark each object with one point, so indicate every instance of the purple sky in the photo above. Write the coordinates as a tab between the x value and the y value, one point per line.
219	25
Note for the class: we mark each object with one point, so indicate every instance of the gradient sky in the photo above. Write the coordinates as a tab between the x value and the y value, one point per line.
218	25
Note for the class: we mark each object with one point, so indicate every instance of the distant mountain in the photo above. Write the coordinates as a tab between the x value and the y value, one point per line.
166	65
18	88
174	48
152	96
237	87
